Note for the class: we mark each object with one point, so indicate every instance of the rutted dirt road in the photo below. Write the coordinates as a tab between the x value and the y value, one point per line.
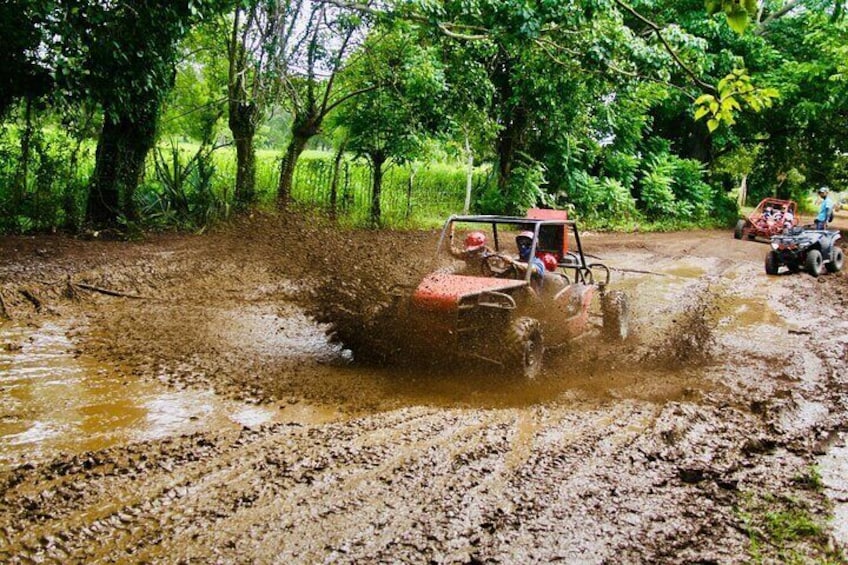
698	440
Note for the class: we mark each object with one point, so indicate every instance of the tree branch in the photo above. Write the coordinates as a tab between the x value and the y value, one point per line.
788	7
658	32
348	96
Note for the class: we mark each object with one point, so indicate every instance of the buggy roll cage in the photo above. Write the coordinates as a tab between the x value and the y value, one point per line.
582	271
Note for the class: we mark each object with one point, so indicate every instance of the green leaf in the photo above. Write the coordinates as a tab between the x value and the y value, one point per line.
738	21
701	112
729	104
704	99
712	125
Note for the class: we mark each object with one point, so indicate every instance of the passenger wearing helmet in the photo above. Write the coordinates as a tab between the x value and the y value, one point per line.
524	243
473	251
788	220
550	262
825	210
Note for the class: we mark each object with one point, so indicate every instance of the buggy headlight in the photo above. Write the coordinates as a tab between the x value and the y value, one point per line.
775	245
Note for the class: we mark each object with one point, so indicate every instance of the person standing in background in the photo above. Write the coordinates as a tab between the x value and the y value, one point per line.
825	209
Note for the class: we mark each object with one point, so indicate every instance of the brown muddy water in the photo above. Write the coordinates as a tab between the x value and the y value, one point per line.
54	401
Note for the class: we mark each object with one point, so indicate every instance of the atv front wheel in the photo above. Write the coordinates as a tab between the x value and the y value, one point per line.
814	262
524	348
616	315
837	258
772	262
740	225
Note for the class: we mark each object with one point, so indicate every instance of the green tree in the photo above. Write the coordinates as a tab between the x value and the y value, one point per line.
402	93
256	52
314	51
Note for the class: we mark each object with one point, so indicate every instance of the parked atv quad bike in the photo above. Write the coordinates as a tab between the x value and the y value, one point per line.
498	314
771	217
805	248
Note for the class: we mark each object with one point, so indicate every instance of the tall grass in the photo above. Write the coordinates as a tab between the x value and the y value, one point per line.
413	195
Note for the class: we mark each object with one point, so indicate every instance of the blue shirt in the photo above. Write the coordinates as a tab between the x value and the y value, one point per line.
824	211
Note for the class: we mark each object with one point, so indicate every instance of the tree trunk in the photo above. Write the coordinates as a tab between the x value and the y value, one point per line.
293	152
513	117
507	146
743	191
243	127
121	150
377	161
409	186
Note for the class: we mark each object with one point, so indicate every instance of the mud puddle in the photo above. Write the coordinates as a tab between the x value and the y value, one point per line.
53	400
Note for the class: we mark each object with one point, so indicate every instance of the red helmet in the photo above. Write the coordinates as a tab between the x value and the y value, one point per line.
550	261
475	240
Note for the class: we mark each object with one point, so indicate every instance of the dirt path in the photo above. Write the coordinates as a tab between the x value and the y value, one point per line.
696	441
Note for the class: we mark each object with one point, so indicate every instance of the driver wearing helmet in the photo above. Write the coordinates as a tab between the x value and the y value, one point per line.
473	251
524	242
825	210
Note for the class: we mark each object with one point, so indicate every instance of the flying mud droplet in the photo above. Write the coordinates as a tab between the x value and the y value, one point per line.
691	338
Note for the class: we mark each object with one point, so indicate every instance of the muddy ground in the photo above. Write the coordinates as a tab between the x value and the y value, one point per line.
714	434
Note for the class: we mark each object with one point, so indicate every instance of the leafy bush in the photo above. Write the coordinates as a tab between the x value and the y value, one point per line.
49	190
182	190
604	200
621	166
523	191
693	194
656	192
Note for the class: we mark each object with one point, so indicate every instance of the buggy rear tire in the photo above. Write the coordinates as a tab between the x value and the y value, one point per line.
772	262
837	258
616	316
737	233
524	347
814	262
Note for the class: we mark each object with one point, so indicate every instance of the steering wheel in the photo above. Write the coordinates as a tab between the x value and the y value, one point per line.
497	265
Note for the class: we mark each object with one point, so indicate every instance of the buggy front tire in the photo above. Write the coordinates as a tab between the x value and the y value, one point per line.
772	262
524	347
837	258
616	316
814	262
740	225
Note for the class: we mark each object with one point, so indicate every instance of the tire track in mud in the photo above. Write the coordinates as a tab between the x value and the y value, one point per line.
353	503
410	508
336	497
124	495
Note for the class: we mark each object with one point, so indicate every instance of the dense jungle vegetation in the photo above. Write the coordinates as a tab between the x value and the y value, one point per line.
143	114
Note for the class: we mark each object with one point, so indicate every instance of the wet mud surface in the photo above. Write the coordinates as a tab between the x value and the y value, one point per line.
175	400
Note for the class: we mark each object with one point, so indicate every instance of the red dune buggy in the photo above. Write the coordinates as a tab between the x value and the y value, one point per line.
771	217
499	313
